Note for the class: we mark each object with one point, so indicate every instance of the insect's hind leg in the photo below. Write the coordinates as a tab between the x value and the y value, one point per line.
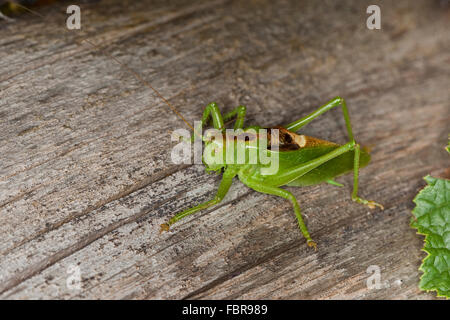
261	187
338	101
371	204
296	172
224	186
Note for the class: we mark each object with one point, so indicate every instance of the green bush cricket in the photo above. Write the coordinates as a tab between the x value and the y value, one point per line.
303	161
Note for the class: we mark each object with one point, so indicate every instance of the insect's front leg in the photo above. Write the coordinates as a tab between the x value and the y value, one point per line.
224	186
213	111
239	112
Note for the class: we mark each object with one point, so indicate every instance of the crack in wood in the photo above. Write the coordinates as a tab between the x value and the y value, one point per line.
140	185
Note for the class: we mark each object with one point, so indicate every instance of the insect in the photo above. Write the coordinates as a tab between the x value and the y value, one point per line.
303	161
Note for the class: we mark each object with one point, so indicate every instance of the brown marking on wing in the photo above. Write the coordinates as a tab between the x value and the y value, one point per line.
292	141
288	140
314	142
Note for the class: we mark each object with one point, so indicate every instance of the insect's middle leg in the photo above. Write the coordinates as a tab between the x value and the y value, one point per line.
261	187
224	186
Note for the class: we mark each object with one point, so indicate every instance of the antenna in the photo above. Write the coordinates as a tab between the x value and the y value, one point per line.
123	65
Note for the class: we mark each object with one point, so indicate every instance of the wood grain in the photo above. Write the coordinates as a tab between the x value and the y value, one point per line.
86	176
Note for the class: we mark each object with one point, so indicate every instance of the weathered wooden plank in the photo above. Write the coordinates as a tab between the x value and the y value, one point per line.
86	176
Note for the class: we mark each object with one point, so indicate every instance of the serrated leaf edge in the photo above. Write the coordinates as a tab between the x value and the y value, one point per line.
431	181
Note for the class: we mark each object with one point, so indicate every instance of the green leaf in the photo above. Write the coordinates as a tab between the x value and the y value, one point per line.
432	219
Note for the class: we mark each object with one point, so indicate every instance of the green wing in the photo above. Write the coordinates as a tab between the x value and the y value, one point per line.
327	171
